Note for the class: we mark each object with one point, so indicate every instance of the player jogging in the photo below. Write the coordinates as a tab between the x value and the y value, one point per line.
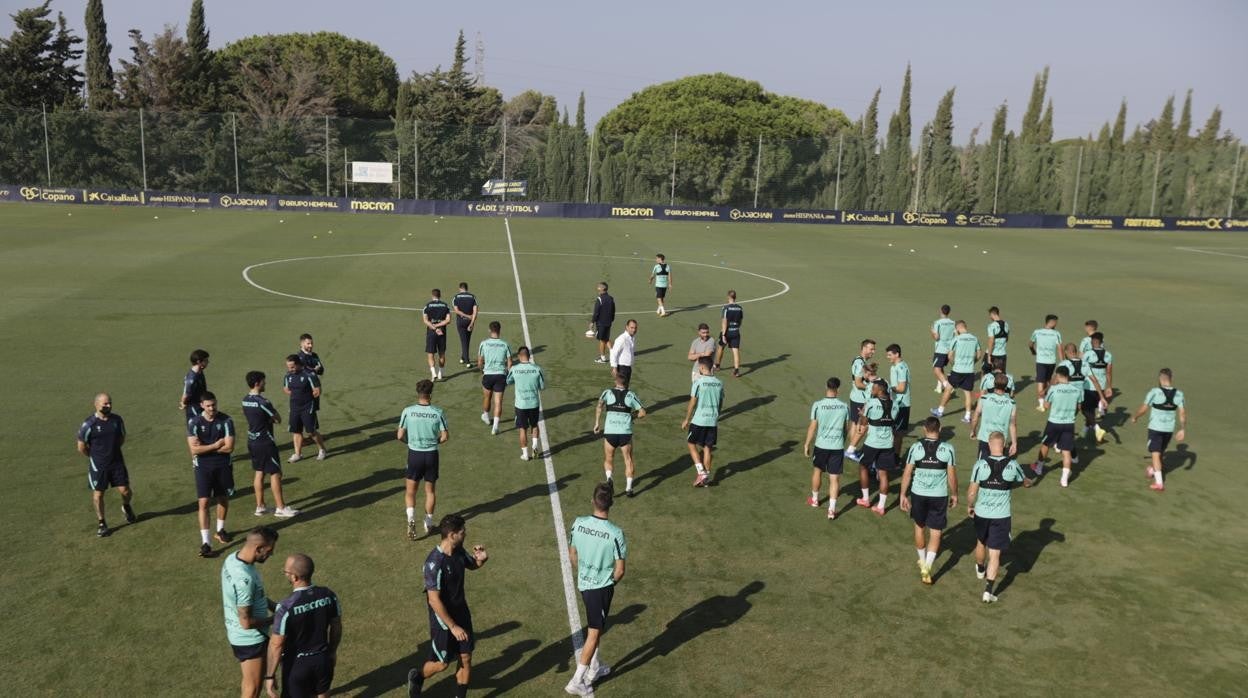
262	447
877	421
1162	403
530	381
307	628
998	334
436	315
304	389
730	318
1081	377
942	333
964	353
995	412
494	360
620	404
248	611
100	439
989	381
829	423
210	438
988	504
661	278
931	481
194	385
1062	400
702	420
450	620
465	306
423	427
859	394
1045	345
597	550
1098	388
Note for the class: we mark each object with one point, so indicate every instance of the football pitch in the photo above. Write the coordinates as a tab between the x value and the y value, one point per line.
740	589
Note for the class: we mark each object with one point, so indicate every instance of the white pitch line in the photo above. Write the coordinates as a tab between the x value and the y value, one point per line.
556	508
1221	254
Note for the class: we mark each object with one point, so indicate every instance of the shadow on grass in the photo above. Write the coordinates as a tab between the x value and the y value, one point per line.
689	309
393	676
584	438
746	406
715	612
724	472
747	369
651	350
1180	457
1025	550
653	478
509	500
549	414
959	541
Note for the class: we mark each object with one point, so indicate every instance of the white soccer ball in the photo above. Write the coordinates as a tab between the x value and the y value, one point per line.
589	334
313	237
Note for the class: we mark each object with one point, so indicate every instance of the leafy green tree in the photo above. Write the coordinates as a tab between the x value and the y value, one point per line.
100	82
896	171
943	188
38	62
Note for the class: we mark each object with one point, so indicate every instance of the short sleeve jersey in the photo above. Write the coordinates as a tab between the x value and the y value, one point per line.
1096	364
660	273
1077	371
931	472
857	369
300	384
700	347
965	346
303	619
899	373
1047	341
445	574
944	329
194	385
1064	400
999	331
619	417
495	352
990	379
423	424
435	311
1163	413
880	435
599	543
709	391
464	302
1085	344
312	362
734	314
996	410
529	381
259	413
103	438
829	415
241	586
993	500
209	433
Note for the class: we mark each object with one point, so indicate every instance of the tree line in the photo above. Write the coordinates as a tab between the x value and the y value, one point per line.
283	113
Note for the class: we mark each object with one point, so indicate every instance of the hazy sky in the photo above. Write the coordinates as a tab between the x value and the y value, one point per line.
1099	51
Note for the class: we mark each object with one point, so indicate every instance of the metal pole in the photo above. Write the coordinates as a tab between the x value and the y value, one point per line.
996	187
840	148
327	155
416	158
47	148
504	160
589	177
1074	206
758	166
675	136
918	175
1230	202
234	131
346	174
1152	204
143	148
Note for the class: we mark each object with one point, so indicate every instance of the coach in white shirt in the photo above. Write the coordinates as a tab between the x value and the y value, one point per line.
622	352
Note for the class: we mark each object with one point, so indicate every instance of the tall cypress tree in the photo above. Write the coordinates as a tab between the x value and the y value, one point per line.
870	144
942	188
101	85
990	183
897	157
1030	190
203	89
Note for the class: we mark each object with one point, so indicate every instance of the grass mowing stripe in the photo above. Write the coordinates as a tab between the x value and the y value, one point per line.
1220	254
556	508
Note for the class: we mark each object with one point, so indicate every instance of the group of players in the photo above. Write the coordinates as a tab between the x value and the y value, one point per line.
868	430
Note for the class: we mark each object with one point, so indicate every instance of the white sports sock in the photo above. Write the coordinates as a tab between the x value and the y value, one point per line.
496	422
1157	476
628	483
921	553
433	372
220	524
581	670
866	494
524	452
883	498
203	536
411	513
698	467
930	558
610	473
814	494
429	518
533	443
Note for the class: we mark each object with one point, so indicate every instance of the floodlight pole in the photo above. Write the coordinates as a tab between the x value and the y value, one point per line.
504	199
416	157
589	176
675	138
143	148
1074	206
996	187
47	148
327	155
840	148
1152	204
1230	202
234	132
758	166
346	174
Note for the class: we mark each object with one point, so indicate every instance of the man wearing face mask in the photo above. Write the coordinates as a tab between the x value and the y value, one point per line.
248	611
99	439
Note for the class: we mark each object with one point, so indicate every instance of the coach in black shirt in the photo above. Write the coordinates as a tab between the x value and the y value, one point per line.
600	321
307	627
465	306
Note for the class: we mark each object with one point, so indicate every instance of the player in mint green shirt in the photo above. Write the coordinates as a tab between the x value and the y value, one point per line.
661	278
964	354
988	503
899	384
1166	403
494	360
877	421
529	380
1045	344
597	550
620	405
829	422
1062	400
702	420
1090	327
998	334
423	427
860	392
248	611
990	379
929	488
942	332
996	411
1098	386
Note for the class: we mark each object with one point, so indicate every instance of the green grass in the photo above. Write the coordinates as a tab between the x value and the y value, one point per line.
736	590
